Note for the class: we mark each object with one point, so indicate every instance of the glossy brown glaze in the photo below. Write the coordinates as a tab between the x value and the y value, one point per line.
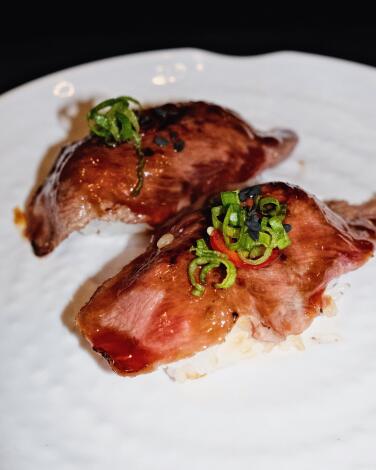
146	315
208	148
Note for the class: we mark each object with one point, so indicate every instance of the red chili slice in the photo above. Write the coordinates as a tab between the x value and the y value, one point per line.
217	243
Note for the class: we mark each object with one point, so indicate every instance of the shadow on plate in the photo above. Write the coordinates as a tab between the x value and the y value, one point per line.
72	116
136	245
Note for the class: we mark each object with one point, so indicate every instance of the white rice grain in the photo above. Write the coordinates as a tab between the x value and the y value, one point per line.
165	240
239	343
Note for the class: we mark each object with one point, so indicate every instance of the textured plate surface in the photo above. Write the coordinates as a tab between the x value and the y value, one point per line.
61	408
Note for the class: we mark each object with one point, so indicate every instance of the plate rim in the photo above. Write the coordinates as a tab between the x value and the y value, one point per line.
184	50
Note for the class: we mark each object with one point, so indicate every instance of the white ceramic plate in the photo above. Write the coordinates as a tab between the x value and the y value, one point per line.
61	408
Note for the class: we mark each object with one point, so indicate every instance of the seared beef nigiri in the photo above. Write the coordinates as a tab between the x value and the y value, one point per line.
146	315
191	150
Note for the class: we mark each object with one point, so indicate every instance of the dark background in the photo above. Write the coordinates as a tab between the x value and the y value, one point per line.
31	51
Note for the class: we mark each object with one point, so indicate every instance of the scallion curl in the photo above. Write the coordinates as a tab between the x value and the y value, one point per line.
216	212
269	201
256	261
232	224
256	233
209	259
115	121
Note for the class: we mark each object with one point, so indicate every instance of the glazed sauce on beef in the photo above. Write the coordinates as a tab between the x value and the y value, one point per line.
153	316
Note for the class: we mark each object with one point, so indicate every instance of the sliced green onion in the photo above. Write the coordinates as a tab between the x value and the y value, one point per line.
235	216
206	269
115	121
216	212
264	202
230	197
246	242
231	272
198	288
236	235
233	232
284	242
256	251
201	247
253	239
282	239
256	261
264	239
209	259
140	175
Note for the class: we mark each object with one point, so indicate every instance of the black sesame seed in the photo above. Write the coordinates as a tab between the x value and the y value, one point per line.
250	192
160	141
148	152
253	235
287	227
144	120
235	315
243	195
179	145
253	223
161	112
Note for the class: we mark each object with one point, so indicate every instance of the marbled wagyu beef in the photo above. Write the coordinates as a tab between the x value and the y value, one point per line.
146	315
191	149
